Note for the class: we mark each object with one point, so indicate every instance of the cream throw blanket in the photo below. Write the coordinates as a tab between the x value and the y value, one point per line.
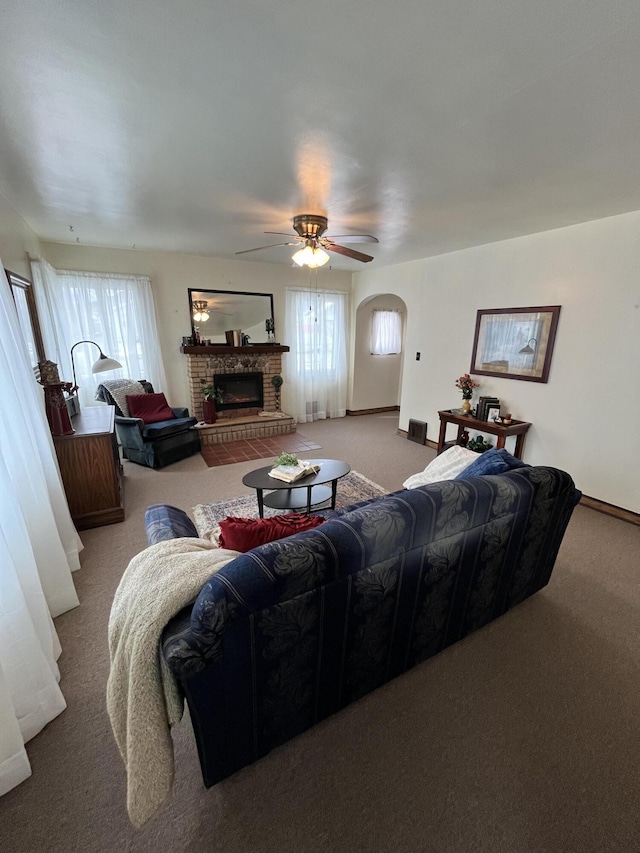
119	388
143	700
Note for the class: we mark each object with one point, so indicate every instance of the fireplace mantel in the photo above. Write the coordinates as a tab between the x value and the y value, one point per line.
222	349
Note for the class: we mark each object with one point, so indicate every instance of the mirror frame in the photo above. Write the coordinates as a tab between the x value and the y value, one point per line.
199	290
18	282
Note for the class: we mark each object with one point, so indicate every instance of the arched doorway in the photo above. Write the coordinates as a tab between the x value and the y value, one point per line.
377	379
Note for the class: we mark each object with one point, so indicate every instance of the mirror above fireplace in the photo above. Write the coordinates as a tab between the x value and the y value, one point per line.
224	310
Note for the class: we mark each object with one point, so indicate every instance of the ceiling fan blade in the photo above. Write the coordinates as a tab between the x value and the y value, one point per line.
282	234
352	238
349	253
259	248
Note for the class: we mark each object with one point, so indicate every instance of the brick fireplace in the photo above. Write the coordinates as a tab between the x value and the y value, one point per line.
243	421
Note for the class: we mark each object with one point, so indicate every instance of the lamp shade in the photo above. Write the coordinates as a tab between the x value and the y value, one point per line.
102	364
310	257
528	349
105	363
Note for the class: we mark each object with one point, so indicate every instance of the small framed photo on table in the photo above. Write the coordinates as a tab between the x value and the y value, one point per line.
493	412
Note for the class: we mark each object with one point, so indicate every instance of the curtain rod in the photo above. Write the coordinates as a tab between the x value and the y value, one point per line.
123	275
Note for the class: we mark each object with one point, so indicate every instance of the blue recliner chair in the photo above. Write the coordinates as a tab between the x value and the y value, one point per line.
158	444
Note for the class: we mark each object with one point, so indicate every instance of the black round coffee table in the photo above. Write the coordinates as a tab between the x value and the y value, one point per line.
304	494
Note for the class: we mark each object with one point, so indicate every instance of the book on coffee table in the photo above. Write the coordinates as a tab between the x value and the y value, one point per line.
291	473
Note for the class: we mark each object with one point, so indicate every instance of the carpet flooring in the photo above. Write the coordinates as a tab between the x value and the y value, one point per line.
352	488
255	448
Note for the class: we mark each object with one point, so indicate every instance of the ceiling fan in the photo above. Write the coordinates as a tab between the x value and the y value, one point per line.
309	230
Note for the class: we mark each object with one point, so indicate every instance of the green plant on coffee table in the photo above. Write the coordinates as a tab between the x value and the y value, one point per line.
286	459
210	392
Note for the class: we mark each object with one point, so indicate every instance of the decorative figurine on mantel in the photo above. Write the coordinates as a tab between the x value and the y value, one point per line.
270	330
466	385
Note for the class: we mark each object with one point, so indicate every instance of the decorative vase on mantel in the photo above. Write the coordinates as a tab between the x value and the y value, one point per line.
466	406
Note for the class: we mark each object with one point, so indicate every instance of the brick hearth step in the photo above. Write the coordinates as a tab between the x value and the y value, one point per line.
251	426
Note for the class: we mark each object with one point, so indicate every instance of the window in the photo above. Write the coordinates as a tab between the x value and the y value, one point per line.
386	332
23	298
115	311
316	369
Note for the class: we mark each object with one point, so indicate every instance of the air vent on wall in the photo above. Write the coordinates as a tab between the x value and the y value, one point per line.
417	431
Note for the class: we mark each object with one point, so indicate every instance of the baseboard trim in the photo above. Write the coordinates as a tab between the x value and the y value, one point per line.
428	442
611	509
353	413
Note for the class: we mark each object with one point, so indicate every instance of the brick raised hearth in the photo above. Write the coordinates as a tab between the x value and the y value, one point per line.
253	426
235	424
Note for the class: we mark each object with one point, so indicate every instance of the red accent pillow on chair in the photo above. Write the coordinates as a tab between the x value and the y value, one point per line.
243	534
150	407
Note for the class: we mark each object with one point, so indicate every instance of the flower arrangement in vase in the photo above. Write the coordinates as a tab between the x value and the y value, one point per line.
466	384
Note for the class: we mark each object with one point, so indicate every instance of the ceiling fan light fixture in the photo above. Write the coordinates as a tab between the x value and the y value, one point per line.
310	257
200	314
310	228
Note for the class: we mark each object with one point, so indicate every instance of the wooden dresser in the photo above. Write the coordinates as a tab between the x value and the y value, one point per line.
91	469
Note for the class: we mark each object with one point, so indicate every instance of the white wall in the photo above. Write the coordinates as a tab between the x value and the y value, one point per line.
586	418
16	239
375	378
171	276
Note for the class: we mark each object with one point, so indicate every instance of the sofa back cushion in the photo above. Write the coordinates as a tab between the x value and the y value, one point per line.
243	534
151	408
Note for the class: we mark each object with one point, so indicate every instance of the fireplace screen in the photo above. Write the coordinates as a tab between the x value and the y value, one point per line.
240	390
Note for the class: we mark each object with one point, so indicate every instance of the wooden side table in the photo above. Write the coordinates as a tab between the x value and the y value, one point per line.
502	431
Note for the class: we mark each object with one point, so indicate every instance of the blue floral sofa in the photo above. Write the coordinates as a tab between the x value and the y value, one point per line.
291	632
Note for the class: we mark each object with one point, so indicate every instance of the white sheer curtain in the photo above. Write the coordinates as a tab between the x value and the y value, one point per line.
386	332
115	311
38	550
316	367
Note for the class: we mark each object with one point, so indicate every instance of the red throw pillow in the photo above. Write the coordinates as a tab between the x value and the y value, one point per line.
150	407
243	534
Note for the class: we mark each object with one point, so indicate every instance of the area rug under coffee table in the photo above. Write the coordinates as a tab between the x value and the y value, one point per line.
352	488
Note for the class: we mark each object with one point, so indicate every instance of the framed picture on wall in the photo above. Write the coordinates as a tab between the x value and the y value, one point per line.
515	343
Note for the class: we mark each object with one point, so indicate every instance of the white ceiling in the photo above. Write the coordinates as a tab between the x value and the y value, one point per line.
195	125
